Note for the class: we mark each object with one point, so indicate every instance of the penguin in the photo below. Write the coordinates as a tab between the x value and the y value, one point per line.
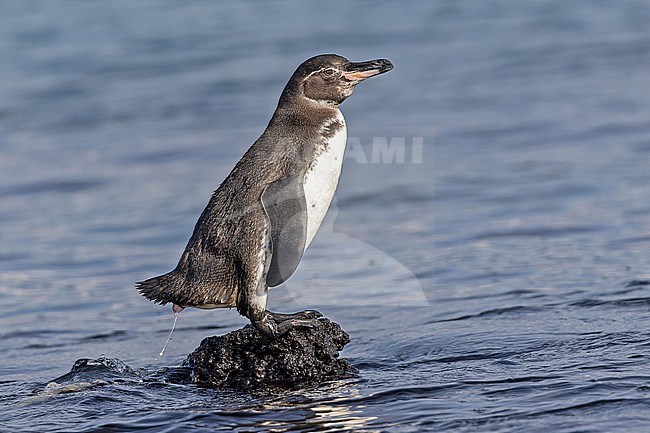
254	230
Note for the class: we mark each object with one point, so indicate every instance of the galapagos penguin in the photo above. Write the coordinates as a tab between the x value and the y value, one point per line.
258	223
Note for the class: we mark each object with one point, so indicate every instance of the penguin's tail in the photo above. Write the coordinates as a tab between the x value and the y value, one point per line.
161	289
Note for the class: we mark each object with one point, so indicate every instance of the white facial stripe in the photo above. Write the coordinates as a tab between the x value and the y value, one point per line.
321	70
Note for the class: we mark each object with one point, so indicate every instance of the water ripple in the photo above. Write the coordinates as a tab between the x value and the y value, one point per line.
54	186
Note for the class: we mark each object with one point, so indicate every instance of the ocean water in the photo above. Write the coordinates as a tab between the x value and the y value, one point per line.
488	251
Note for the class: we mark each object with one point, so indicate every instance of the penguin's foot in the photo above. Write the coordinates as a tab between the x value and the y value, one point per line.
273	327
301	315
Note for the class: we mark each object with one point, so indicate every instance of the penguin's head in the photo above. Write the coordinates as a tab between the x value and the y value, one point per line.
328	79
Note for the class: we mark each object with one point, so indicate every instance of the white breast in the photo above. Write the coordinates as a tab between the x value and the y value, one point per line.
322	178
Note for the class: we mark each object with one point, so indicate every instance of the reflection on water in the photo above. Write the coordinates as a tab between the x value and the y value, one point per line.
336	413
340	417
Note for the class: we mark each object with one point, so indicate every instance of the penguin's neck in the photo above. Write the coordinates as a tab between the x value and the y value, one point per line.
304	111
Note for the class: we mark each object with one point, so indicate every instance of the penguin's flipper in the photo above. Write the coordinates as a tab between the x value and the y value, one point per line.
286	208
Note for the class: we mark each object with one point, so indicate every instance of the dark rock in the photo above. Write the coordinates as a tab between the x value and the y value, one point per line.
246	360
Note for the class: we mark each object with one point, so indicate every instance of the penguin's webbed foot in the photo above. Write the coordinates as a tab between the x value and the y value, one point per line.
274	325
306	314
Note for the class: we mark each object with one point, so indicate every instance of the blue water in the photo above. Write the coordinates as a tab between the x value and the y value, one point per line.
496	280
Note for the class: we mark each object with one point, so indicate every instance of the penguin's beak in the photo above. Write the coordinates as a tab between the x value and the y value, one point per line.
359	71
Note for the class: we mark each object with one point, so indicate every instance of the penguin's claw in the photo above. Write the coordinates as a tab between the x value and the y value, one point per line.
274	325
301	315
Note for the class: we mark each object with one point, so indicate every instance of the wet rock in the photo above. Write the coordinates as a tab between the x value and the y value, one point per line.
246	360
